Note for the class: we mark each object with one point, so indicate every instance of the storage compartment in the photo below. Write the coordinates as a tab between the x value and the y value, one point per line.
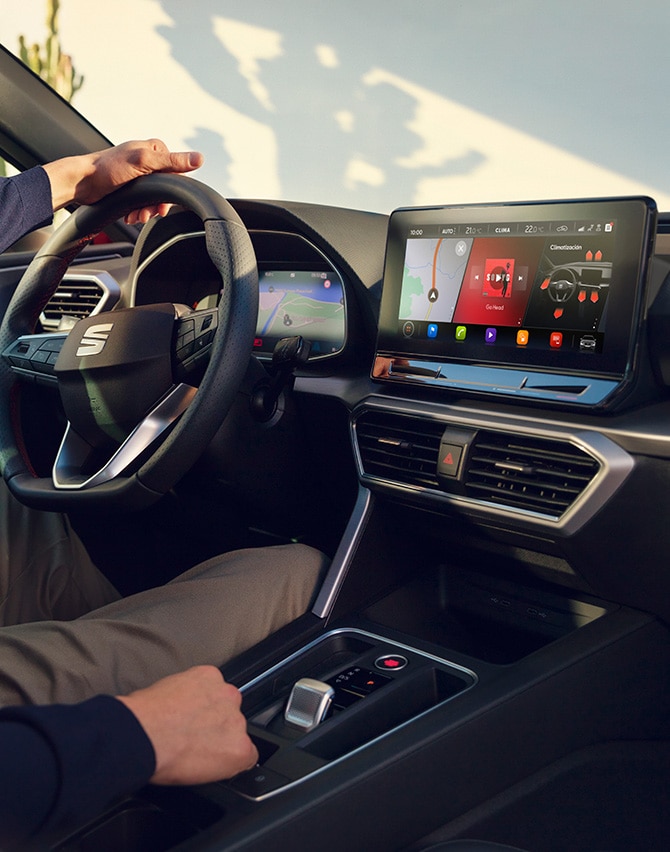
154	821
485	617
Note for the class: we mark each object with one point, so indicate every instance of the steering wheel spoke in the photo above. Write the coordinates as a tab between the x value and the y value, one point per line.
70	470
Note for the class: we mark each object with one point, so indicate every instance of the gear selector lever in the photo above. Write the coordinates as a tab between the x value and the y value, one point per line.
308	704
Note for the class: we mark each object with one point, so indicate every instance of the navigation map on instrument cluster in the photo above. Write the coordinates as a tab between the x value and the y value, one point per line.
432	278
307	303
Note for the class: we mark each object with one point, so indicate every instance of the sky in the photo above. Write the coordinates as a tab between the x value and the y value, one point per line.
378	104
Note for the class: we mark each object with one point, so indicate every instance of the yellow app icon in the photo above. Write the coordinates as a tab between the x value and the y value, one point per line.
522	337
461	332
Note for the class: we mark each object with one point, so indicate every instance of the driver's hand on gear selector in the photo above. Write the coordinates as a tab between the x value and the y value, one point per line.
194	722
86	178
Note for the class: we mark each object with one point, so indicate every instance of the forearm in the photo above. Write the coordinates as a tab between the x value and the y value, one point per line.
62	765
25	204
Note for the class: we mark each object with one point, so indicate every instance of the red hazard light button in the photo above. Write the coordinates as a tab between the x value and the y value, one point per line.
391	662
449	459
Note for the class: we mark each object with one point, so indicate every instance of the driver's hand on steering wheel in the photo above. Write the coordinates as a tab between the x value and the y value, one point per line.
87	178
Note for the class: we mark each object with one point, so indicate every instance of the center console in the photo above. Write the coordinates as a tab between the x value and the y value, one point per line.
376	685
445	687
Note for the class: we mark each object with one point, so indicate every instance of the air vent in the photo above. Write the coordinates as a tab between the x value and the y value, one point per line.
518	472
77	299
399	448
521	472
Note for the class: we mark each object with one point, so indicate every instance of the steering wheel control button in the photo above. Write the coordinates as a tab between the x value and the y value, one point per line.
391	662
308	704
195	335
35	355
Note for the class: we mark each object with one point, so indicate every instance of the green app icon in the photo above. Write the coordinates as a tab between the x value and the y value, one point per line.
461	331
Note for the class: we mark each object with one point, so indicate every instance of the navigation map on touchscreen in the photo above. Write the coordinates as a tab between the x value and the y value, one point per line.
432	278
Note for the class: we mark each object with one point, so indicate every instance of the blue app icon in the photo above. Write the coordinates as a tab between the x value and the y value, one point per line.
432	330
490	336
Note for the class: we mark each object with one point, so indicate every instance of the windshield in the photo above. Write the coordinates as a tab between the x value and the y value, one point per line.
378	104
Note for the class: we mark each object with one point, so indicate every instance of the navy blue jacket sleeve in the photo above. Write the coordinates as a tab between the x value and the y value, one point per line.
25	204
64	764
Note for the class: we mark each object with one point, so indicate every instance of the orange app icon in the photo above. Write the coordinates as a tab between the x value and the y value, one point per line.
522	337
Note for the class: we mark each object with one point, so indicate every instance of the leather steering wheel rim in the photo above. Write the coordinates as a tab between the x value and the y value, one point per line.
231	251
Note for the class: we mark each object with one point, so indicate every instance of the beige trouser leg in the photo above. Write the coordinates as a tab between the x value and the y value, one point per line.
207	615
45	571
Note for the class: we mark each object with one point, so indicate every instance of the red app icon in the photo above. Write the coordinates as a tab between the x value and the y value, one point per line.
556	340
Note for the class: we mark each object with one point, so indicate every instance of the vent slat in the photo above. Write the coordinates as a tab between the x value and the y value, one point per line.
400	448
543	476
534	474
73	299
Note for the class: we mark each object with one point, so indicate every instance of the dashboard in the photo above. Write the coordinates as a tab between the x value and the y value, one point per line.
555	465
561	453
544	427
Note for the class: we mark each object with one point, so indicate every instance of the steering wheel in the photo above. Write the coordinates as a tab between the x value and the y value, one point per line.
135	423
562	285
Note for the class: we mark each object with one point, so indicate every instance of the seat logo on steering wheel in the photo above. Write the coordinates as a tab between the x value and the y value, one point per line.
93	342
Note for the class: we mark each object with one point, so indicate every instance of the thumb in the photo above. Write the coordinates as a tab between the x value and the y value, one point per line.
185	161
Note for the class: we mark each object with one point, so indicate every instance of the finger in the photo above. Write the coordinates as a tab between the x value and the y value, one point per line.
142	216
253	761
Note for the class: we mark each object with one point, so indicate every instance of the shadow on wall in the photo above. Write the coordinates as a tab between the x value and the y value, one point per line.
327	121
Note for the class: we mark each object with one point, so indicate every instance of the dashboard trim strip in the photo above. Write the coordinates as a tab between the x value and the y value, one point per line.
342	560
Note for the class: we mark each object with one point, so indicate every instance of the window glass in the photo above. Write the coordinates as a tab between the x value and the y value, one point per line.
381	103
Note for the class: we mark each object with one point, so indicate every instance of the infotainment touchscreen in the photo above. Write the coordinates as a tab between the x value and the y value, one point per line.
506	297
